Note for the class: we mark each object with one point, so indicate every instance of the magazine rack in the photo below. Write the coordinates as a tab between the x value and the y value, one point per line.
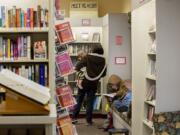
16	104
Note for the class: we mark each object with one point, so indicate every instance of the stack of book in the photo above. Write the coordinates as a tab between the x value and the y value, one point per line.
17	17
37	73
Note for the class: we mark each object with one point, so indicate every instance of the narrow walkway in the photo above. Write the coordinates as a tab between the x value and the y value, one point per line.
82	129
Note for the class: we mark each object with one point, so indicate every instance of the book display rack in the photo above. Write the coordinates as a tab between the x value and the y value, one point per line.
64	67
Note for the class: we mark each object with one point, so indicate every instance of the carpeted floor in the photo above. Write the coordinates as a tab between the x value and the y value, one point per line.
82	129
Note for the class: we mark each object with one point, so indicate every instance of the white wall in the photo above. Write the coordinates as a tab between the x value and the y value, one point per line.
168	45
118	26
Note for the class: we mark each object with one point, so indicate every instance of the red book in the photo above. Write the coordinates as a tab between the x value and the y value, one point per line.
65	97
31	17
18	11
64	64
64	33
25	19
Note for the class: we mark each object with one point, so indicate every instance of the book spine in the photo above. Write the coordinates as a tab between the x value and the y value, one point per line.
22	18
0	16
33	73
42	74
12	52
29	47
47	17
46	75
1	48
22	46
9	49
37	73
14	16
3	16
35	19
17	18
25	47
25	19
4	50
29	73
31	17
28	17
39	16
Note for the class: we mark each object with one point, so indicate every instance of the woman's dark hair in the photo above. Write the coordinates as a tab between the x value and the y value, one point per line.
98	49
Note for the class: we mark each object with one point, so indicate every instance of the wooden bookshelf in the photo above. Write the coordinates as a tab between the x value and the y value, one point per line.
25	61
24	30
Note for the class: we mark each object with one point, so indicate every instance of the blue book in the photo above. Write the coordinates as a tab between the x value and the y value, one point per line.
42	74
95	103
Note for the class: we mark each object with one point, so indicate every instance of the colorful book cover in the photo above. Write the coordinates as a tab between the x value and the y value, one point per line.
64	64
64	33
65	126
65	97
40	50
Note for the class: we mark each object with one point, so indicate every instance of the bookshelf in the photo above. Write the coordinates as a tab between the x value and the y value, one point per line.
21	28
36	33
157	70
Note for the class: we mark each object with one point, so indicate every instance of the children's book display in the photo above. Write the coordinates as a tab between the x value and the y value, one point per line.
64	67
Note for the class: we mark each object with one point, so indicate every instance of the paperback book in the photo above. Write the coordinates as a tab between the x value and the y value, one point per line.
64	64
65	97
40	50
64	33
65	126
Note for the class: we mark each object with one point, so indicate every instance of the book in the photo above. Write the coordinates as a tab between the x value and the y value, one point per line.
37	73
65	126
64	64
40	50
18	48
96	37
109	95
64	33
150	113
65	97
29	18
24	86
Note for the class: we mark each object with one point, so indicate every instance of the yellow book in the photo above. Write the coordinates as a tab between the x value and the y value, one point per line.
9	49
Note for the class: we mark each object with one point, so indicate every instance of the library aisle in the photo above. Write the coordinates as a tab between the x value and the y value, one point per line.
82	129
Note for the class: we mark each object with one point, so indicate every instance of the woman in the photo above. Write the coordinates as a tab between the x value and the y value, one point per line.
95	69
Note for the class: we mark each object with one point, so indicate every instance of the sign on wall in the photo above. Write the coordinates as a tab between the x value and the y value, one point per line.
84	6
